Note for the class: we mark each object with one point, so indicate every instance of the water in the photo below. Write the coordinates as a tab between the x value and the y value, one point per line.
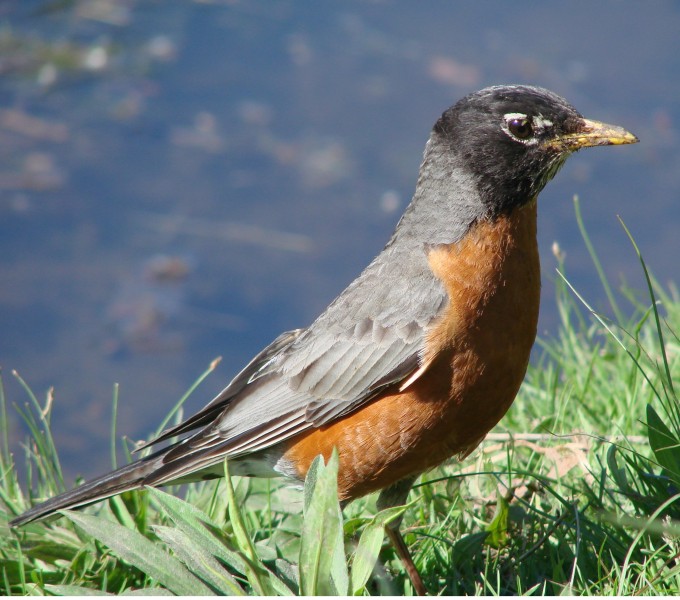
181	181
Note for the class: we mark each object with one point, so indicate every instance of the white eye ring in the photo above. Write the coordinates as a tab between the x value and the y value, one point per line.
520	127
514	122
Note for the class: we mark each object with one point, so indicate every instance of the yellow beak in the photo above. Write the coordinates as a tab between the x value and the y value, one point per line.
592	133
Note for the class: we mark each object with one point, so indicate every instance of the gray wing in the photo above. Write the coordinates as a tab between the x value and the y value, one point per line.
217	405
371	336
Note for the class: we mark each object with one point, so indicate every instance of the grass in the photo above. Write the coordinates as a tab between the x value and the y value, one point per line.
575	492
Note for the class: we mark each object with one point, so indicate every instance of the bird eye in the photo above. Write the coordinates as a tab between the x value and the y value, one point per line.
521	128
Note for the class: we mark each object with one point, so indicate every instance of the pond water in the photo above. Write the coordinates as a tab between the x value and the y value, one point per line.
184	180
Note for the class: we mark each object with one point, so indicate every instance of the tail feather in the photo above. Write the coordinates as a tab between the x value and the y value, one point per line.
121	480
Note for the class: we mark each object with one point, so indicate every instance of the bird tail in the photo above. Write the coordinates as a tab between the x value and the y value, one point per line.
121	480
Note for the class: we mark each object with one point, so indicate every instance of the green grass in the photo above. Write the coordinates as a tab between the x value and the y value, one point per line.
575	492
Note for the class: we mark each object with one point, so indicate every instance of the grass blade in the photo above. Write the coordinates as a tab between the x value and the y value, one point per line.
665	446
114	424
257	576
199	527
368	548
76	590
142	553
596	261
320	570
199	561
659	330
178	405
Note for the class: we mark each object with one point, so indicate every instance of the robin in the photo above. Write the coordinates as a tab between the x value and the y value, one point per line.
424	352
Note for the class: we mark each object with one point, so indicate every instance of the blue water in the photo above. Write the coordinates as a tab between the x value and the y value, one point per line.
181	181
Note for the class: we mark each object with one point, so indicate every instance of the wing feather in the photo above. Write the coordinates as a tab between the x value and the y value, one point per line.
370	337
255	368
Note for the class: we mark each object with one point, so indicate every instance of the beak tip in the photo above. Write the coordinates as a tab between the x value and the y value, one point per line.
608	134
627	138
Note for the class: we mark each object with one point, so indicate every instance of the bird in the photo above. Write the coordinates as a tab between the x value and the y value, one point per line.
423	353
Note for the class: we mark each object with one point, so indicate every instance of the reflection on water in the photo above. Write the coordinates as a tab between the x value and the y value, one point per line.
184	180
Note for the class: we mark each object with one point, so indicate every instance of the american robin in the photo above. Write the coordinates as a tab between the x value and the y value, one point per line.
424	352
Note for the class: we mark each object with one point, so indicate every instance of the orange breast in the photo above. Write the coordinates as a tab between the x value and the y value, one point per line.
476	356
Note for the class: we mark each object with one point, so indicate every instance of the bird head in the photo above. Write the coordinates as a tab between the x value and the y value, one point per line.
513	139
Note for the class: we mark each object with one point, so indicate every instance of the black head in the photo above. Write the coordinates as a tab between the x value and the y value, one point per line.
513	139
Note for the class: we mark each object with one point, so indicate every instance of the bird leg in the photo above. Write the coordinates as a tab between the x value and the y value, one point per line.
405	556
395	495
